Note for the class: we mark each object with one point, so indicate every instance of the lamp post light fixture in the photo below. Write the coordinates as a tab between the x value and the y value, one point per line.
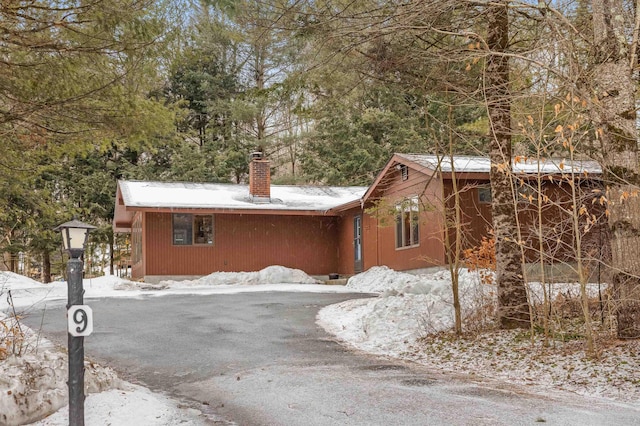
80	322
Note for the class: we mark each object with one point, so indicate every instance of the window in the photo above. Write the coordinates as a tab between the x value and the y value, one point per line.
189	229
203	229
136	239
407	223
484	194
404	172
527	194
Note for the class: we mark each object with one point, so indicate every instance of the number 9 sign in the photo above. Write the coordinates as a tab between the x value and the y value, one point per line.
80	320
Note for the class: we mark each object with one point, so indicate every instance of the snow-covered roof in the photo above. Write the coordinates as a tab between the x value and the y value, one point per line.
231	196
469	164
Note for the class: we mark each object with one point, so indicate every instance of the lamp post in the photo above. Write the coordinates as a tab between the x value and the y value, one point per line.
74	237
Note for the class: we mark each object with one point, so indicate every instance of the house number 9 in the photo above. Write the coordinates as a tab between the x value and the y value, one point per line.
80	320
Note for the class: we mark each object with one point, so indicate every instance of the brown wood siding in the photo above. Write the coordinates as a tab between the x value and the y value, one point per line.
245	243
346	261
556	223
559	242
476	216
380	231
370	234
428	253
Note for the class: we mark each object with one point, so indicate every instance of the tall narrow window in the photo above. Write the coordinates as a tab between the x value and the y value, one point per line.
203	229
182	229
136	240
408	223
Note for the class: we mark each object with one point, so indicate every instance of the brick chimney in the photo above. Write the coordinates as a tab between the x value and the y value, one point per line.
259	178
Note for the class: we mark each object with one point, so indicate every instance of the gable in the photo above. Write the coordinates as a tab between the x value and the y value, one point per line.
401	173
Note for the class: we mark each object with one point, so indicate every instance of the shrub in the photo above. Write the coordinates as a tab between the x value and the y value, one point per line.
482	258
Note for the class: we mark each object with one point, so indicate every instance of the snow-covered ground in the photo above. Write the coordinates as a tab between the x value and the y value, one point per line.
33	385
413	317
27	293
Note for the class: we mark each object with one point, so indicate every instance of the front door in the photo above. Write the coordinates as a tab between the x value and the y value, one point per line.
357	244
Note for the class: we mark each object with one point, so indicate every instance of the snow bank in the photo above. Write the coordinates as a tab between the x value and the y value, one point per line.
34	385
388	325
404	320
269	275
566	291
381	279
13	280
409	307
26	292
384	280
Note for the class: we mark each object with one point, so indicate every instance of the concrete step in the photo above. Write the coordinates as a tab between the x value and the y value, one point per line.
337	281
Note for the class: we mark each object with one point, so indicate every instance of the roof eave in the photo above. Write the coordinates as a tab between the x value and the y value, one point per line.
346	206
223	210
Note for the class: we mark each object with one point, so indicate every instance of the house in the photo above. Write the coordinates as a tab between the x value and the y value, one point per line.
185	230
406	204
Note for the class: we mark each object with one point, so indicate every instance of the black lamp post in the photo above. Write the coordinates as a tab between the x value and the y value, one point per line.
74	237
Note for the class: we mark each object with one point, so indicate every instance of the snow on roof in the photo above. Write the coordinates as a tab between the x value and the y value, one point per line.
471	164
233	196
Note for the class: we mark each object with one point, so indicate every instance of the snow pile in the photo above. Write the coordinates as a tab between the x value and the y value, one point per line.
15	281
409	307
380	279
387	325
34	384
105	282
566	291
413	306
413	317
26	292
384	280
269	275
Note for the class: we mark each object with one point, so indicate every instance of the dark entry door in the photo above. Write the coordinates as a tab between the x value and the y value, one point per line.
357	244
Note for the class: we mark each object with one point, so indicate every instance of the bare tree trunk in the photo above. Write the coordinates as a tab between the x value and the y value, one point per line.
46	267
453	253
5	260
111	255
613	111
453	225
513	308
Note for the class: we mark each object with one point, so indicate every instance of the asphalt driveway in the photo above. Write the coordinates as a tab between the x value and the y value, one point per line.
260	359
